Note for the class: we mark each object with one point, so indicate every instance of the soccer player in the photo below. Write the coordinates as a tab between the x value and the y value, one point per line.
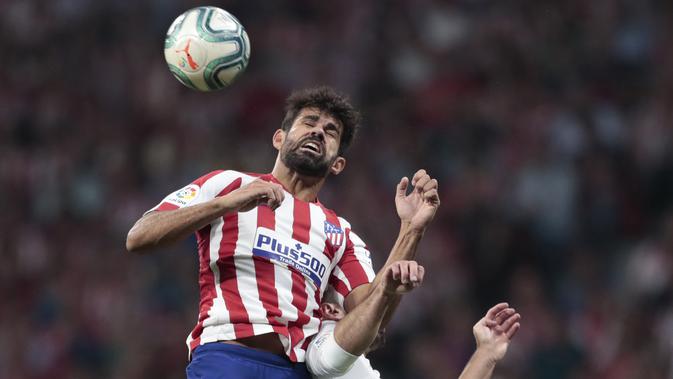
268	249
327	358
339	347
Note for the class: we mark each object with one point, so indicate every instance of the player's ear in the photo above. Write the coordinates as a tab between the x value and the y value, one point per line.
337	166
331	311
278	139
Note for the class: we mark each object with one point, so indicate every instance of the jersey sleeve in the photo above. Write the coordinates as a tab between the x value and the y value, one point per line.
325	358
354	268
199	191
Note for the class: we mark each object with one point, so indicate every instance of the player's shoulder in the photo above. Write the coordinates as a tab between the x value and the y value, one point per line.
223	178
332	214
345	224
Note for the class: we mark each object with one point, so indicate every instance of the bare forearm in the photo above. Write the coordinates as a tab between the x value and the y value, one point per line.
358	329
405	248
162	228
480	366
406	244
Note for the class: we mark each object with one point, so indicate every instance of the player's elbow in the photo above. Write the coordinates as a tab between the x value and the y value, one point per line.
132	244
326	358
135	242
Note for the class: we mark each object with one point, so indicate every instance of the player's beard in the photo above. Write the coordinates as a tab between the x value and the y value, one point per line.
302	163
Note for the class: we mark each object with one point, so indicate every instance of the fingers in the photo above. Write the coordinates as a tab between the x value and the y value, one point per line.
504	315
279	196
404	272
417	176
402	187
431	195
430	185
503	319
391	278
421	274
396	271
270	197
407	274
416	273
423	183
510	322
413	271
512	331
490	315
267	193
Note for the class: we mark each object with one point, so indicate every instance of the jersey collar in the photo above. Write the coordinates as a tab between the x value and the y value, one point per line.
269	177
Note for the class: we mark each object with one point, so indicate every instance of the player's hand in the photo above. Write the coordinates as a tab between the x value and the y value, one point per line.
253	194
417	208
494	331
402	276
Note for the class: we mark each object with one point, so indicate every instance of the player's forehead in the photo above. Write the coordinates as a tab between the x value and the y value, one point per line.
316	114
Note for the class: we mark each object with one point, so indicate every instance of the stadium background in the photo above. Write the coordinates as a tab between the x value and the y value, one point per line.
548	125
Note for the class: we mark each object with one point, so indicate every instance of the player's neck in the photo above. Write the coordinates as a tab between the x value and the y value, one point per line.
302	187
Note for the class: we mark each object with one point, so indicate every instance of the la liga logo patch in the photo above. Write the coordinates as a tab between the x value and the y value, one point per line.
184	196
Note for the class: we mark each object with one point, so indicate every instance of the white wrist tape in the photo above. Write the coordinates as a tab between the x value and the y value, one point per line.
326	357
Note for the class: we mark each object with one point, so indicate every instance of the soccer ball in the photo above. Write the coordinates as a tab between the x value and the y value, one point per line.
206	48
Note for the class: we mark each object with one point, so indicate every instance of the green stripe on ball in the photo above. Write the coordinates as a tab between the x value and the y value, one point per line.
181	76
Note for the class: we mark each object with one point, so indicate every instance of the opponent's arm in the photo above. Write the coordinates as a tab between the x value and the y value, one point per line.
492	334
415	210
405	247
161	228
334	353
358	329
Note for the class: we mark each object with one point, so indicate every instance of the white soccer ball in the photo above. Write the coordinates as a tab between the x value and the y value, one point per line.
206	48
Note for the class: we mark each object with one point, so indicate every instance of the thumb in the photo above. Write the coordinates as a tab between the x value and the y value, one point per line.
402	187
388	278
388	275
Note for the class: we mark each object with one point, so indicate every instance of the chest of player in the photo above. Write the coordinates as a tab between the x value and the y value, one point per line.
296	236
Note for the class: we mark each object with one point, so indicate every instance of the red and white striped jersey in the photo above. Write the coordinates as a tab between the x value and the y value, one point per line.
265	271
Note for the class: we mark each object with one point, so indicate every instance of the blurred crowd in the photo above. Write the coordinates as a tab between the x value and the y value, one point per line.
547	124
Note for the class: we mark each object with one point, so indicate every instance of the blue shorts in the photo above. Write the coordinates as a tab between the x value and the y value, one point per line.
218	360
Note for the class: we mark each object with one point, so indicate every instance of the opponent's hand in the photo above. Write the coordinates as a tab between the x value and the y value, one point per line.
417	208
495	330
402	276
253	194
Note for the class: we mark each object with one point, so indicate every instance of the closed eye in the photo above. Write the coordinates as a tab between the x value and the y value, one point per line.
332	131
310	119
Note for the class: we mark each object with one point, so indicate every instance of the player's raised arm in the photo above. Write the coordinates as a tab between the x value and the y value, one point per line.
415	209
335	353
355	332
163	227
492	334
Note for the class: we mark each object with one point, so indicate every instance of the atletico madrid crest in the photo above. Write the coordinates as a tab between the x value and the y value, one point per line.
334	234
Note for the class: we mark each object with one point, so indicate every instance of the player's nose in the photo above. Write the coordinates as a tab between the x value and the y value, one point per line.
319	133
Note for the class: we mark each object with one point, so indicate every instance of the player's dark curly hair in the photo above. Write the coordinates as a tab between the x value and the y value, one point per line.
327	100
